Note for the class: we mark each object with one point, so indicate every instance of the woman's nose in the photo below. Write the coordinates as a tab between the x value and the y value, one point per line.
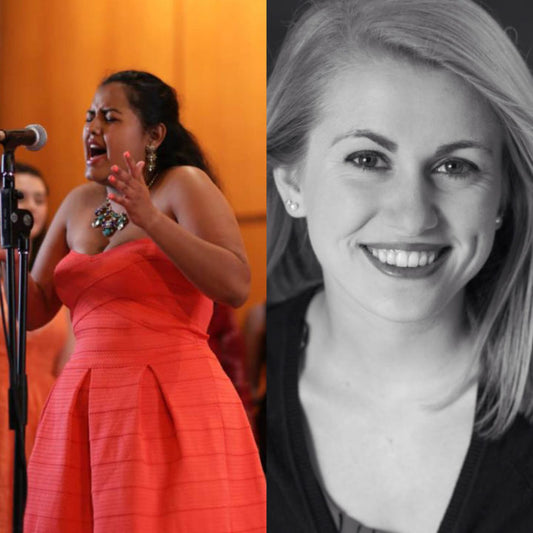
95	126
411	205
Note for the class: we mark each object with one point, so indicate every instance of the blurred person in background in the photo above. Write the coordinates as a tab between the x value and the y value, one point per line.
47	348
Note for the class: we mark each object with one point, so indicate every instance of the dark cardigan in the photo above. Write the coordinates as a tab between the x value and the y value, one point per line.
494	492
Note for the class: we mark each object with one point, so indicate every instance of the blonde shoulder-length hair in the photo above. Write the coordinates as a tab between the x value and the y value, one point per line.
461	37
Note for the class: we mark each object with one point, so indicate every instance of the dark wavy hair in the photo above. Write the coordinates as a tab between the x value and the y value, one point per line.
156	102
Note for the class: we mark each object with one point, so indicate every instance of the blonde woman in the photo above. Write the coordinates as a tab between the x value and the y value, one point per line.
400	153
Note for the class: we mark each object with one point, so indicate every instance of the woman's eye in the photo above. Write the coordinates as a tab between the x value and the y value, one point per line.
456	168
109	118
89	116
368	161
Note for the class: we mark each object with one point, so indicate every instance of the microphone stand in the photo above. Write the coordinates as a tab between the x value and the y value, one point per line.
15	232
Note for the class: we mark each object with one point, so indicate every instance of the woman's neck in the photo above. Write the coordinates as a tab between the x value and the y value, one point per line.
421	361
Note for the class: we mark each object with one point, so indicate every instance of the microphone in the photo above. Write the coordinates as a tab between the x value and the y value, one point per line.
33	137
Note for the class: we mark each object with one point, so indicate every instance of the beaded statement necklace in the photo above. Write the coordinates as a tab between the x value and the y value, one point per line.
109	220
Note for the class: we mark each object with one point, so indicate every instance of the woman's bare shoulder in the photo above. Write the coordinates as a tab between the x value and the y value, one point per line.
185	177
186	188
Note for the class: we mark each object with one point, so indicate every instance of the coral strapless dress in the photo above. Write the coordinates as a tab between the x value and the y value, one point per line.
143	431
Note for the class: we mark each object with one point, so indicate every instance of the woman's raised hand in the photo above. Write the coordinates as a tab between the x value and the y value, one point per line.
133	193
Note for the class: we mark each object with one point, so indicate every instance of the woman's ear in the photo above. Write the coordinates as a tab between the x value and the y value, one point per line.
158	134
287	183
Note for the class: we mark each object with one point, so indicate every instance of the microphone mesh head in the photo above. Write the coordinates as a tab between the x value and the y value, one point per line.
40	137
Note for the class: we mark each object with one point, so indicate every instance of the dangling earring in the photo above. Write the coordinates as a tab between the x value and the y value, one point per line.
292	205
151	158
499	221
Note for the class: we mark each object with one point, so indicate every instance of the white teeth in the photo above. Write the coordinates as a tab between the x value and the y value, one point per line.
404	258
401	259
413	260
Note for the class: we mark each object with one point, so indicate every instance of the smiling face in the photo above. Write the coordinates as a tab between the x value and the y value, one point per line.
111	128
401	187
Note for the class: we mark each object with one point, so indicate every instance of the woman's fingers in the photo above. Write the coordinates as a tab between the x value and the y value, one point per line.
130	190
130	162
135	168
118	198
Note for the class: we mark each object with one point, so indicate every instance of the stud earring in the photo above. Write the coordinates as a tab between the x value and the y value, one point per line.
292	205
499	221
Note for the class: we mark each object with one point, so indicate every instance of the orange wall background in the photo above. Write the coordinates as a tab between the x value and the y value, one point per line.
54	54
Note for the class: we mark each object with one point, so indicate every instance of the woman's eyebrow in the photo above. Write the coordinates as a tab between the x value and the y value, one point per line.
105	110
391	146
459	145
